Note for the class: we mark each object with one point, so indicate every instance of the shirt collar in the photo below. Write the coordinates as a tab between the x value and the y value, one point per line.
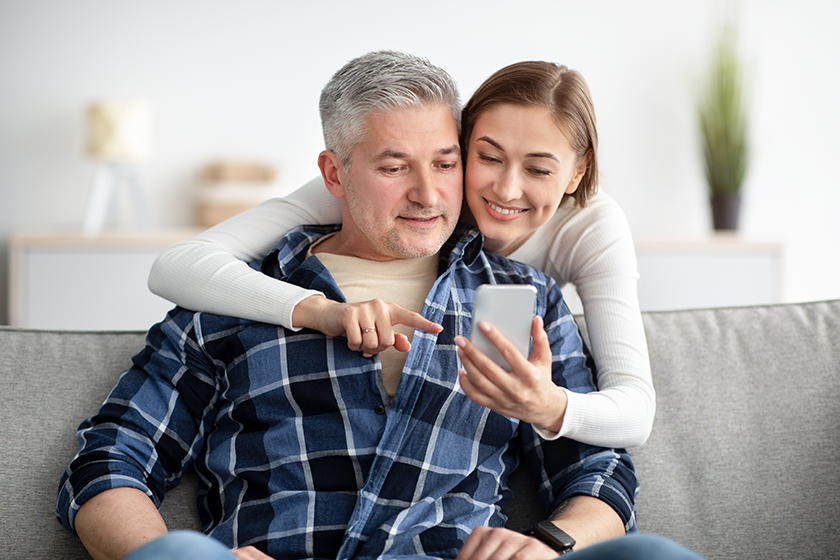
288	255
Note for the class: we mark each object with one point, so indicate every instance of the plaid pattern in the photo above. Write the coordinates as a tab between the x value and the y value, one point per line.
296	445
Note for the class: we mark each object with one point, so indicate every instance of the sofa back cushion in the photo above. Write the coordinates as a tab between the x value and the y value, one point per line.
51	381
743	461
744	457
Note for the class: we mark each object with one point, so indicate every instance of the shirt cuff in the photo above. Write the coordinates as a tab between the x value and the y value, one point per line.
551	436
303	294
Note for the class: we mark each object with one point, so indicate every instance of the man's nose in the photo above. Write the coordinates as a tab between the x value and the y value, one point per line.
424	189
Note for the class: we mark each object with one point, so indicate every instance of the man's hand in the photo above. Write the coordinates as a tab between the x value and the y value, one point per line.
499	543
250	553
367	325
527	392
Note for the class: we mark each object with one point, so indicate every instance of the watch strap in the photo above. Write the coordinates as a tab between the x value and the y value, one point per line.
553	536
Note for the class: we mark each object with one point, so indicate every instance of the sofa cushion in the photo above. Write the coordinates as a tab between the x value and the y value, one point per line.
743	461
52	381
744	457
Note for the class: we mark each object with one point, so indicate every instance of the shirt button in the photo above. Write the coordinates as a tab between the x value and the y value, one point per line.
380	409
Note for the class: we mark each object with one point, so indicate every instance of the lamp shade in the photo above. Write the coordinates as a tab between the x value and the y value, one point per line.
119	130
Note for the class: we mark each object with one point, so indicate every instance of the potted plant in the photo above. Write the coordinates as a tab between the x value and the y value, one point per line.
723	128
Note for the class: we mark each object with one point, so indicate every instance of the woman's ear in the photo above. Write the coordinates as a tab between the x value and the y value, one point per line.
580	171
333	173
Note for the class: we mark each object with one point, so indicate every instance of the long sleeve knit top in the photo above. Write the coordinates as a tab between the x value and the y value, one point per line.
590	247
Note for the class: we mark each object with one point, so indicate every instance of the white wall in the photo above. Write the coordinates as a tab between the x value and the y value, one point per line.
241	79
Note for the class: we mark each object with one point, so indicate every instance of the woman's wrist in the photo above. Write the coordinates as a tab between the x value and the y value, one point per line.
555	414
308	311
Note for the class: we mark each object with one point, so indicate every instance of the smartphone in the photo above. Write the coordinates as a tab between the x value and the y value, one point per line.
509	308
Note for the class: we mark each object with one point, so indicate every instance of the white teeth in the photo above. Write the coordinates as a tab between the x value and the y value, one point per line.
501	210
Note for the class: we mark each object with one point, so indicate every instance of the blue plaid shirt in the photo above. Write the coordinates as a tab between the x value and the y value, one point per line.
296	445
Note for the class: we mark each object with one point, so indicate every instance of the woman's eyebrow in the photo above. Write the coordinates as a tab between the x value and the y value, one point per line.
548	155
491	142
498	146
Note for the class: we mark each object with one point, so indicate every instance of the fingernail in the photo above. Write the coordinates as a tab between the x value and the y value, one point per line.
366	355
484	326
460	341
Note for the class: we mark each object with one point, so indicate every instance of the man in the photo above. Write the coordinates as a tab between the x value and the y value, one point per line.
300	449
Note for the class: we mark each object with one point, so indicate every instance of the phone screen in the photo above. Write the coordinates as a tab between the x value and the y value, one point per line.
510	309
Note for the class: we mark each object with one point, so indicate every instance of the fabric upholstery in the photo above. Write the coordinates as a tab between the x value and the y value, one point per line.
743	461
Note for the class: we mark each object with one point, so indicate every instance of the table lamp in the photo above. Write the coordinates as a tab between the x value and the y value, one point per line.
118	138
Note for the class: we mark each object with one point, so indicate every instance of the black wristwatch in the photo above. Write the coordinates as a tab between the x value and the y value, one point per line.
553	536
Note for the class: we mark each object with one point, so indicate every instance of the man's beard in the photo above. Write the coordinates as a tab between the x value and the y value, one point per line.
391	243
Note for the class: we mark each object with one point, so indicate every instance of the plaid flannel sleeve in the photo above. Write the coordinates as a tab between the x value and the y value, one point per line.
152	424
564	468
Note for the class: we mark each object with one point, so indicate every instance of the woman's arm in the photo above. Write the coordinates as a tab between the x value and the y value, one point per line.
593	249
209	272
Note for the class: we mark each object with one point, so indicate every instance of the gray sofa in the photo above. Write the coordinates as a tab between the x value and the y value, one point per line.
743	462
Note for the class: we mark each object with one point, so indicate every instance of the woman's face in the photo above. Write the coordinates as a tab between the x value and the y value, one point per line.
519	166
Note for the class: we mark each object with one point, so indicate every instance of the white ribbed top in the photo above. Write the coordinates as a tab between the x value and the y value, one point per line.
590	247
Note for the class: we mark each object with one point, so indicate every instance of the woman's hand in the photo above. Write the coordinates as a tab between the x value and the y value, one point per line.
368	325
527	392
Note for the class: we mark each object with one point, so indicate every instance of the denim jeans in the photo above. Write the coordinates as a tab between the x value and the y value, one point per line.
184	545
187	545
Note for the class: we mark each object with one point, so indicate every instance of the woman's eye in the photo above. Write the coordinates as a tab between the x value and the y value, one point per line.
539	171
489	159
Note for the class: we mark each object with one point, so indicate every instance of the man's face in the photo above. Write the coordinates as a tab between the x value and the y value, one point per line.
403	186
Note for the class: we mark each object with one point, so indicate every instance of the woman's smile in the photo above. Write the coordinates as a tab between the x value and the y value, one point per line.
519	166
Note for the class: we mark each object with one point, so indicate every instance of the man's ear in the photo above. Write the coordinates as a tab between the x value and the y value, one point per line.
333	173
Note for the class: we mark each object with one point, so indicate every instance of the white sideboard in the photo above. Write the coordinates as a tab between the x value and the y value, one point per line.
723	269
70	281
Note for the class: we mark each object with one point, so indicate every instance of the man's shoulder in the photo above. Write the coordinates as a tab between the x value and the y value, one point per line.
466	246
517	270
290	252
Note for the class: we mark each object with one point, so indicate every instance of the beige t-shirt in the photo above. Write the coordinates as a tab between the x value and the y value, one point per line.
405	282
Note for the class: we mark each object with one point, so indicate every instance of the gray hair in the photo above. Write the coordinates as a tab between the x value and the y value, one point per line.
380	81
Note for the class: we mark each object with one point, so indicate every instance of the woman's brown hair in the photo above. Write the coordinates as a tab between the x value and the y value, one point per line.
544	84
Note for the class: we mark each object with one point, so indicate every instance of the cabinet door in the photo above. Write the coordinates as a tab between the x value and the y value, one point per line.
90	290
86	284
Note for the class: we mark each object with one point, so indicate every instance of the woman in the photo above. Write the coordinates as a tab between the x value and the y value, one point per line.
531	172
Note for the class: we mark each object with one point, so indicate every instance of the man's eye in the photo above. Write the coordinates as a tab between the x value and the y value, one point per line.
391	169
448	166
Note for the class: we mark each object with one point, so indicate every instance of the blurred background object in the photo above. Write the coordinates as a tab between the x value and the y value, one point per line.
722	112
227	188
118	138
240	81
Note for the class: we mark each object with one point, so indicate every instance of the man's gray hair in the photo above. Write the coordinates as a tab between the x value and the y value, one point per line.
380	81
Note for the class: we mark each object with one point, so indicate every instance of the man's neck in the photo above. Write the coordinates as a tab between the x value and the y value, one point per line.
337	244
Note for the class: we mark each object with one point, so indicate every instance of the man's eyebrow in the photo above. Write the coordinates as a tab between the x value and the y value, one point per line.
453	149
386	154
498	146
394	154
